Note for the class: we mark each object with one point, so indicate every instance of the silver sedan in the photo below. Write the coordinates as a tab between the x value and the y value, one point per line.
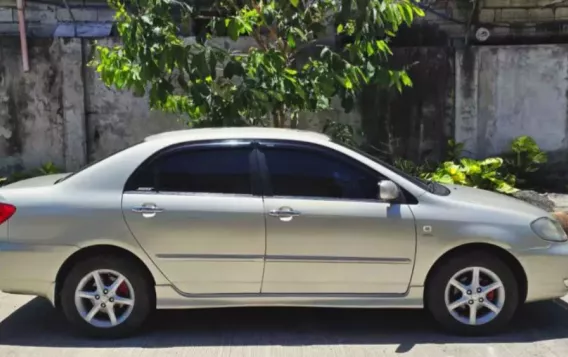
249	216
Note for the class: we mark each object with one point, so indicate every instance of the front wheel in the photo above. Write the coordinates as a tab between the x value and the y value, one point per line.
473	294
106	297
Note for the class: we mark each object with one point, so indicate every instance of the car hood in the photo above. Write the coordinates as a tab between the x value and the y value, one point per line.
45	180
498	201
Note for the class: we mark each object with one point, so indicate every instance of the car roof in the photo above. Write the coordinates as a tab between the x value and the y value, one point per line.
238	133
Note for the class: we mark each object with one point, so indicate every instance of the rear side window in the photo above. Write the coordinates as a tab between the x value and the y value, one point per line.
302	172
216	170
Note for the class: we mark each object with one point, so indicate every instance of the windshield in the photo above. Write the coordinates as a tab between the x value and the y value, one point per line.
427	185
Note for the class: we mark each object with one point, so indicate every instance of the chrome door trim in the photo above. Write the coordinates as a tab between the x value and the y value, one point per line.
274	295
285	258
331	259
248	257
175	193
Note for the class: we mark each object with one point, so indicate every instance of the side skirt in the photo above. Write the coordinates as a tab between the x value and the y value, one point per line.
169	298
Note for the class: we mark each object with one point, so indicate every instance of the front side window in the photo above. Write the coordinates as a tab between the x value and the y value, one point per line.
209	170
303	172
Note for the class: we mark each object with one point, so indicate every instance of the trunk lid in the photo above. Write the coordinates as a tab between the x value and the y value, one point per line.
46	180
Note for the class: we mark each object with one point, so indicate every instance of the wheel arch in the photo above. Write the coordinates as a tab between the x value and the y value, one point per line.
508	258
94	250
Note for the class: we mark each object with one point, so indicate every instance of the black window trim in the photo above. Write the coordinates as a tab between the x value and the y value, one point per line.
256	186
405	197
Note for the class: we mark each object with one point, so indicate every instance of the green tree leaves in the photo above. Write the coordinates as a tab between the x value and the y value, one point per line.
294	64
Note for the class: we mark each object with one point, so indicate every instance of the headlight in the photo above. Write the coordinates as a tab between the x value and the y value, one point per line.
549	229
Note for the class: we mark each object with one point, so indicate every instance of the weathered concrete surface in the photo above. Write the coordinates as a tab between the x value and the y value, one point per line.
507	91
61	112
118	119
32	124
73	103
30	327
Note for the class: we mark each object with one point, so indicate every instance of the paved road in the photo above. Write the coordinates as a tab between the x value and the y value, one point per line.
30	327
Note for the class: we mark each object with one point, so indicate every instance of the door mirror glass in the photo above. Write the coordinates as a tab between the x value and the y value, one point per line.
388	190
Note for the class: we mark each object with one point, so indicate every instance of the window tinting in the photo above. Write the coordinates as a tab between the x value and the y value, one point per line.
310	173
206	171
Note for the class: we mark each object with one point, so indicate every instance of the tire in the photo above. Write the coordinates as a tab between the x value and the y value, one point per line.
129	318
487	322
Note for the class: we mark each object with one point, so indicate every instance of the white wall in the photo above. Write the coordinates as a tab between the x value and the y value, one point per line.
506	91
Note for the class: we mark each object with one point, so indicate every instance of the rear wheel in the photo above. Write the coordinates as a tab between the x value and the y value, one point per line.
473	294
106	297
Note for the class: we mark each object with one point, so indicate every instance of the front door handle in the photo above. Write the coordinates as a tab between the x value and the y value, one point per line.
148	210
284	213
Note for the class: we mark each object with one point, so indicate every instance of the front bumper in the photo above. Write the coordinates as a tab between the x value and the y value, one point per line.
31	269
547	271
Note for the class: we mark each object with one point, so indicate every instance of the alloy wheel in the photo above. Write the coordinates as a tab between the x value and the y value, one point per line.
104	298
475	296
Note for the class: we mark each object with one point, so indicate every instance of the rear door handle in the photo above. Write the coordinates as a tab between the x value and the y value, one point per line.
148	210
143	209
284	213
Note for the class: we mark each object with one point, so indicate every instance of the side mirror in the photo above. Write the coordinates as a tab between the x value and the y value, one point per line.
388	190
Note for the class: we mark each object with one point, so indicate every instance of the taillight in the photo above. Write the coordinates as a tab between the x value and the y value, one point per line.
6	211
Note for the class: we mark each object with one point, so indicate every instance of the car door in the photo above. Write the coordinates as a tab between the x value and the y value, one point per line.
327	231
194	210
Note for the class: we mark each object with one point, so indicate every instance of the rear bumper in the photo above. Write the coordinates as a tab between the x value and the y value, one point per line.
31	269
547	271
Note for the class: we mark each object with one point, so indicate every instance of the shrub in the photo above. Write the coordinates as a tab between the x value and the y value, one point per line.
494	173
525	159
485	174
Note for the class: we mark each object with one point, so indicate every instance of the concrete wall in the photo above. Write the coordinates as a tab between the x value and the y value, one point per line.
117	119
416	123
507	91
41	112
514	11
42	19
61	112
541	17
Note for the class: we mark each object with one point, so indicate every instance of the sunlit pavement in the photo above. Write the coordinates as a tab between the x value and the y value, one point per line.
30	327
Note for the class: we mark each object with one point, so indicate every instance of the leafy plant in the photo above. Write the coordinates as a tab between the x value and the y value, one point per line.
454	150
494	173
48	169
484	174
525	158
294	65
